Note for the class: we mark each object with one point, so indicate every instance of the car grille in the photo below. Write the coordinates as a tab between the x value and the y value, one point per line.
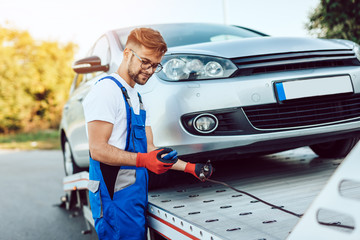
304	113
294	61
228	121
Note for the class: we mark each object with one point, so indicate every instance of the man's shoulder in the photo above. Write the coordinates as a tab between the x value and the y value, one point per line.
106	86
104	91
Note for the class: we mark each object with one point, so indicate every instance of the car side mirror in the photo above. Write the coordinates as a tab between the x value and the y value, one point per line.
89	65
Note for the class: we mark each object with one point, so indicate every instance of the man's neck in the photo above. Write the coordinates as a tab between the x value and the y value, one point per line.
124	75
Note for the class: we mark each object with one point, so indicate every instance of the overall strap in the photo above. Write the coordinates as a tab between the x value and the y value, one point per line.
141	103
123	89
127	105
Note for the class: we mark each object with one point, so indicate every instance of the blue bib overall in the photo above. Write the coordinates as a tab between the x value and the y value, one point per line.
124	215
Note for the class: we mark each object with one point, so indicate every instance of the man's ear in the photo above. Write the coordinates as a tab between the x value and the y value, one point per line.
126	53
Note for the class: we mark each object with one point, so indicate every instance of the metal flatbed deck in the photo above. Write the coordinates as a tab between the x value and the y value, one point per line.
209	211
189	209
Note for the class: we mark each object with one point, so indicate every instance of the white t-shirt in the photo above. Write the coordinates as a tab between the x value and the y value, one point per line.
105	102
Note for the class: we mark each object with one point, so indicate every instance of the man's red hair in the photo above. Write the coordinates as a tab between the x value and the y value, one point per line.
149	38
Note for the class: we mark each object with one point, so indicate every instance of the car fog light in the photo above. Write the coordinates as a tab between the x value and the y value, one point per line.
205	123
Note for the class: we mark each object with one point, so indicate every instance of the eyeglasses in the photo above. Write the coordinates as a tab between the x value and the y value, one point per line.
145	65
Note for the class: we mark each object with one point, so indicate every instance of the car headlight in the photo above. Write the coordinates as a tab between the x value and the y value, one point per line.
195	67
356	49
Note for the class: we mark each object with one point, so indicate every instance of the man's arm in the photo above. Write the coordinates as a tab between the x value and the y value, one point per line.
99	134
179	165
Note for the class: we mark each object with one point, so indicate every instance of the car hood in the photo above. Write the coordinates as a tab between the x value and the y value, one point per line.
259	46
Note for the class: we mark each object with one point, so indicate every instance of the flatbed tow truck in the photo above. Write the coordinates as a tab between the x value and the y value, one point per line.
324	193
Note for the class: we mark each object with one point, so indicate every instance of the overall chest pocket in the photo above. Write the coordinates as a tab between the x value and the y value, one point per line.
95	199
139	131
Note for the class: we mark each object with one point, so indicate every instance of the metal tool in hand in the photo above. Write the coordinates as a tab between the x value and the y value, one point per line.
204	171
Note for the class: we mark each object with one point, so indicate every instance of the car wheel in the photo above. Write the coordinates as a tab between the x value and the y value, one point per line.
336	149
70	166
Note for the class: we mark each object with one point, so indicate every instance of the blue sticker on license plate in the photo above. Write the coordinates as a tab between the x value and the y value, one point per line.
280	91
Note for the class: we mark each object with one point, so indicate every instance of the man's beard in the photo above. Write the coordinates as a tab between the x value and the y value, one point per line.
139	79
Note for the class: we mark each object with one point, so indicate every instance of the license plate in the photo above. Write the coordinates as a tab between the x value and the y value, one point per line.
313	87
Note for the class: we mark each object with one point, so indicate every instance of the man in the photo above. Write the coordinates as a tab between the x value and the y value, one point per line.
121	142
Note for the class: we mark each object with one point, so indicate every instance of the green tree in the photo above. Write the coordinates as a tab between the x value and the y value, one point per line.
336	19
35	78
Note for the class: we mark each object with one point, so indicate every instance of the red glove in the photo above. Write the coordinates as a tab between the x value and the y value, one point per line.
154	162
199	170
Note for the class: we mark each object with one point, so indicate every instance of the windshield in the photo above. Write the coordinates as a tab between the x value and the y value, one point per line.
193	33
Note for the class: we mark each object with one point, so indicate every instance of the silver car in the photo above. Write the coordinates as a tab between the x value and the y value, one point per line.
229	89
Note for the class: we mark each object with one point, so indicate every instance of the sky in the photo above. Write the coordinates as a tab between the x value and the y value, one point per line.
83	21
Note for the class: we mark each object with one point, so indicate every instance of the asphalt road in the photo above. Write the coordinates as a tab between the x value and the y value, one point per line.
31	187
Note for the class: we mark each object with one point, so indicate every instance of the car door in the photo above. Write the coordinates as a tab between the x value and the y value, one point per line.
74	110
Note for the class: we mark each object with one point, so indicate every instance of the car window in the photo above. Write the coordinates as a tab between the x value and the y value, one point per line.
193	33
102	50
78	80
223	38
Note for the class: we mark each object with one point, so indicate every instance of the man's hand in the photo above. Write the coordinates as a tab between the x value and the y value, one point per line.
200	170
155	160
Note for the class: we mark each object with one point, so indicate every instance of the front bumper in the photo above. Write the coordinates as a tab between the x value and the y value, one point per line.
176	99
267	143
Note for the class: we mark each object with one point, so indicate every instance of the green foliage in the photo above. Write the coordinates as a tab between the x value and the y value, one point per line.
336	19
44	139
35	78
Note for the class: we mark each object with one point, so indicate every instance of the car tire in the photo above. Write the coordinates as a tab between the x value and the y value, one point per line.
70	166
334	149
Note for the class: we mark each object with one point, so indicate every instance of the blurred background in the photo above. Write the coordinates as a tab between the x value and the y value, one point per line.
40	39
